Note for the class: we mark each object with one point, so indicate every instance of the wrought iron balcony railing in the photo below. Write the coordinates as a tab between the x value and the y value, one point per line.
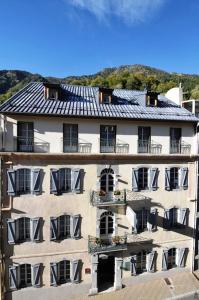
99	245
113	146
180	148
150	147
75	146
99	198
24	144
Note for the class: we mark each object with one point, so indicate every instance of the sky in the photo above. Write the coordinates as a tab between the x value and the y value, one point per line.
75	37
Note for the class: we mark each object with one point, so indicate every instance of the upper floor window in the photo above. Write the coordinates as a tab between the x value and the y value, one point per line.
144	219
24	229
144	139
176	178
174	257
105	95
65	226
65	271
24	275
144	179
107	181
25	136
107	139
143	261
52	91
66	180
175	217
24	181
175	140
106	223
70	138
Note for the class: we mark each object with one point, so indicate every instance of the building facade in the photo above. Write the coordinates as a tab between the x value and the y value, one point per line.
98	186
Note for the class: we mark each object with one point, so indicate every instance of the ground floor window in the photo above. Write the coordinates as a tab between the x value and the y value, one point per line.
139	263
64	271
25	275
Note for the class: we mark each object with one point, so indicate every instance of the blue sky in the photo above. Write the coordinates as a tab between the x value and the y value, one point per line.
75	37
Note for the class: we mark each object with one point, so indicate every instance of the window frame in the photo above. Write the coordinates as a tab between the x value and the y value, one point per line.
66	181
23	187
66	276
108	134
145	177
174	180
24	227
66	227
27	275
71	141
142	217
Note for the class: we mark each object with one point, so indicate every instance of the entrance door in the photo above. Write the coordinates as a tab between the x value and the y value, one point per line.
105	272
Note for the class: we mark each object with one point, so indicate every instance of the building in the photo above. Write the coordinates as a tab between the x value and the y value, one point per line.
98	186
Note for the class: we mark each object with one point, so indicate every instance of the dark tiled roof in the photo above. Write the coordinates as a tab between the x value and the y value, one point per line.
82	101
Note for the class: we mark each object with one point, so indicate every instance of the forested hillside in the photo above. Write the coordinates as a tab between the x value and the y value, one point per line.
126	77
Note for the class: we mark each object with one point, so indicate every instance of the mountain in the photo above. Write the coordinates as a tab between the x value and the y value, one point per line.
136	77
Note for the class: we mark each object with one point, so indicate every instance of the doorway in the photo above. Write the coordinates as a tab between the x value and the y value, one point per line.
106	271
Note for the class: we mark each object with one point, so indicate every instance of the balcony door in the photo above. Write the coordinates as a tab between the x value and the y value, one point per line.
107	181
144	139
107	139
106	225
25	136
175	140
70	138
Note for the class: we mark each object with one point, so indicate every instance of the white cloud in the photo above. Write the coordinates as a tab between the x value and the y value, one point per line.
131	11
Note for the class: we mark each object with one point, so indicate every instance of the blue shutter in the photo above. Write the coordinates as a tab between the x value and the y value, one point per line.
13	272
11	231
75	271
182	252
135	180
53	229
53	274
167	218
151	260
183	216
35	229
153	179
76	226
77	180
11	182
36	184
164	260
36	275
54	181
184	178
167	179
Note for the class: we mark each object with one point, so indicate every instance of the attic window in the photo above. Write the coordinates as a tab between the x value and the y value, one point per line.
52	91
152	99
105	95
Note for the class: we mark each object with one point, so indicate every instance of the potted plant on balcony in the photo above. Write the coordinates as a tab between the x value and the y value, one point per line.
116	240
102	193
117	193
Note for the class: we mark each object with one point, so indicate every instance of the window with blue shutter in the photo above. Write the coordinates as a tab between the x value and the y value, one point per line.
167	179
53	274
11	231
13	272
135	180
53	228
77	180
151	261
165	260
154	179
54	181
36	275
36	229
184	178
75	271
183	216
11	182
76	226
36	181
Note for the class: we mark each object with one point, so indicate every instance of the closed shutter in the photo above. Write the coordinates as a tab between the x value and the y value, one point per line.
76	226
75	271
167	179
54	181
134	222
36	275
152	220
11	231
77	180
167	218
183	216
151	258
11	182
36	181
135	180
35	229
164	260
53	274
134	265
153	179
184	178
53	228
182	257
13	272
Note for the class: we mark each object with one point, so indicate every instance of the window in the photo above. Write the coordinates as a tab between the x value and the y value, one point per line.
107	180
172	258
25	136
64	226
64	271
25	275
24	181
144	139
175	217
143	178
106	223
65	180
142	219
141	262
106	99
107	139
24	229
53	94
70	138
174	177
175	140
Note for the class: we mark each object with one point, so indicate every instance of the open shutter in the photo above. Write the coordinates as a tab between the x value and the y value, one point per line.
134	222
183	216
75	271
164	260
11	182
11	230
167	179
152	220
53	228
36	275
36	181
77	180
181	257
153	179
35	229
54	181
167	218
135	180
184	178
134	265
53	274
13	277
76	226
151	257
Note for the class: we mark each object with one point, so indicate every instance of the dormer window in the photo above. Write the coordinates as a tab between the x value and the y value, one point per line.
52	91
152	99
105	95
53	94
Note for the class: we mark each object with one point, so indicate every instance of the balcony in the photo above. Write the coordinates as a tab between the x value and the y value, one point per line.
111	146
180	148
108	199
75	146
99	245
22	144
149	147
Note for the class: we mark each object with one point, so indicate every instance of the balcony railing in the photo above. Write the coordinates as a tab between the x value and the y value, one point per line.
113	146
111	198
150	147
180	148
32	144
99	245
72	146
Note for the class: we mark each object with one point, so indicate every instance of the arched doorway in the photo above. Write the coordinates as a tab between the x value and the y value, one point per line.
107	181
